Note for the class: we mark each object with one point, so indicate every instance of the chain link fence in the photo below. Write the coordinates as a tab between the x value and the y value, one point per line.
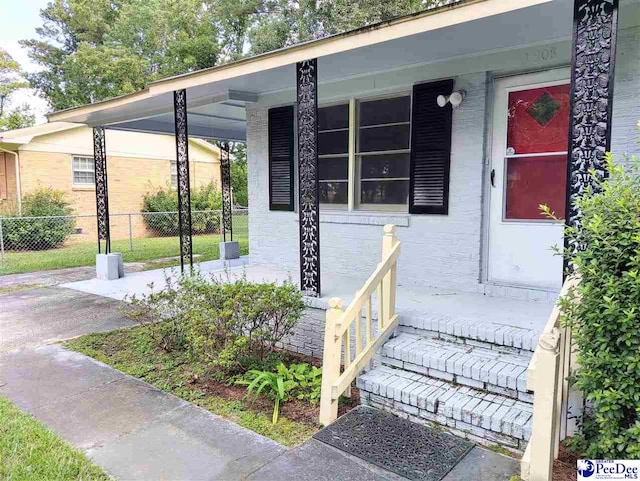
29	244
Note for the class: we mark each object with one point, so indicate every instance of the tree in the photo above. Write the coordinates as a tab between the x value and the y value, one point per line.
90	50
10	81
239	174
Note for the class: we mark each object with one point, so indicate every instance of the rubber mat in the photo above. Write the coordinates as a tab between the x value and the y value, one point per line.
413	451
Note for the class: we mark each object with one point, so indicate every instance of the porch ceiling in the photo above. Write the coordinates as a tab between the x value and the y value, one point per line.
217	97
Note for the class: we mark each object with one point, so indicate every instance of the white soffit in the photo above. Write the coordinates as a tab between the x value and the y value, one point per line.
217	97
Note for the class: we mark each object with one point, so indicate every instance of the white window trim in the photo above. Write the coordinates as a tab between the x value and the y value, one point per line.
353	182
74	170
173	173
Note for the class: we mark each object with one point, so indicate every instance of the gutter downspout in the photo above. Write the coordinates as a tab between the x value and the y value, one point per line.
18	182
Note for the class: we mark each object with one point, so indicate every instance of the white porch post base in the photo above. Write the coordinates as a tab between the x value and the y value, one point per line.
109	266
229	250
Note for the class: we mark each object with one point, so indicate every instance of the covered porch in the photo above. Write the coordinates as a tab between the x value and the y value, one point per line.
444	220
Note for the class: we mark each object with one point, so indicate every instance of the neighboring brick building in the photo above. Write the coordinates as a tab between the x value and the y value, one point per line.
60	155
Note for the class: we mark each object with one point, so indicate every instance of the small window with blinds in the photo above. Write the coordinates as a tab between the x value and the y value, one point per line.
430	149
383	151
281	159
84	173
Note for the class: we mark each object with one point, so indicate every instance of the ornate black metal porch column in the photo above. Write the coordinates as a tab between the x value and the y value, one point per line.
102	191
182	164
592	75
225	172
309	205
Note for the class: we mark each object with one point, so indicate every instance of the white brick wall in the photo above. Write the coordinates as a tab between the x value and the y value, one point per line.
441	251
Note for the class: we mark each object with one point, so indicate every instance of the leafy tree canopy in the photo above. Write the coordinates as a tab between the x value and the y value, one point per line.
95	49
11	80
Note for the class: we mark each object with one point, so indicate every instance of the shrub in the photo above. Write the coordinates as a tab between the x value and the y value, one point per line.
163	312
227	325
606	319
239	322
40	234
203	198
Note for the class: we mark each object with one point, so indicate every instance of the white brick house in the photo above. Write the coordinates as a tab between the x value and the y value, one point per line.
363	129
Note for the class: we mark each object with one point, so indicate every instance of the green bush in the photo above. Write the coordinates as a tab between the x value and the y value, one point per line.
606	320
227	325
39	234
203	198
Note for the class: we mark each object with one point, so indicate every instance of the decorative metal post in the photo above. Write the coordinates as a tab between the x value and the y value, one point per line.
102	190
592	74
309	205
182	165
225	171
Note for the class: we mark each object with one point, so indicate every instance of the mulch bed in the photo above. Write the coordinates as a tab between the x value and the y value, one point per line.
564	468
294	409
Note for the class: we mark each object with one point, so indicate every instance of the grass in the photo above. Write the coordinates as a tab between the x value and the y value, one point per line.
145	249
132	351
28	451
12	289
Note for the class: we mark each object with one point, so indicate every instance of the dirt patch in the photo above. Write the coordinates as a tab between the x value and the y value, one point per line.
564	468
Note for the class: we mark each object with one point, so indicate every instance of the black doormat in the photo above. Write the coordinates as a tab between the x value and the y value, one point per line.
416	452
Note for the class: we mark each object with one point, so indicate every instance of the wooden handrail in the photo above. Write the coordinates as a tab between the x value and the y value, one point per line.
554	360
337	335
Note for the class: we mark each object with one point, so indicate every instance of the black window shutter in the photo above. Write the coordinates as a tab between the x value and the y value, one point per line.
430	149
281	158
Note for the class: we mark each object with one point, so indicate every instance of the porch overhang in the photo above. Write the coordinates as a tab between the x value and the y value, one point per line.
217	97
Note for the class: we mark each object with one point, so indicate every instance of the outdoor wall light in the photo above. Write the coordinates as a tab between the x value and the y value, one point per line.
455	98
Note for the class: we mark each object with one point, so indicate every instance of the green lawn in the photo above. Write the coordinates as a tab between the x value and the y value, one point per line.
146	249
30	451
132	351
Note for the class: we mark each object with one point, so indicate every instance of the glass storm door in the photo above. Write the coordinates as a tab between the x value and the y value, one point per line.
528	169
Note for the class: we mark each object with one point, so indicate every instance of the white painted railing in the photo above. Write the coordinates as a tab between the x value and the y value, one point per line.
548	378
337	336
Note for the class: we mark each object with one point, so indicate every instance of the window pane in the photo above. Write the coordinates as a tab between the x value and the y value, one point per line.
384	192
333	142
532	181
335	168
333	192
379	139
335	117
385	111
386	165
538	120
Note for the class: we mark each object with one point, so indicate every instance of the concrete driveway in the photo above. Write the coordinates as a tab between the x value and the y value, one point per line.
34	317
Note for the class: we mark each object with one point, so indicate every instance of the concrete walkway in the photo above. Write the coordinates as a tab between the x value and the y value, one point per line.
137	432
131	429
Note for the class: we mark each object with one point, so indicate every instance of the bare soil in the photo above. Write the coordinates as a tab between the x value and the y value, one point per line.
564	468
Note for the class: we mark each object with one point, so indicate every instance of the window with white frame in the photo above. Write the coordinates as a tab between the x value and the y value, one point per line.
174	174
84	173
378	177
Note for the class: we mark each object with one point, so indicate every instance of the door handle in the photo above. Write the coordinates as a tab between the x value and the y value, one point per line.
493	177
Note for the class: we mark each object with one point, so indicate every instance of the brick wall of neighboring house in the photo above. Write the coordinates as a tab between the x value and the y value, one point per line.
130	176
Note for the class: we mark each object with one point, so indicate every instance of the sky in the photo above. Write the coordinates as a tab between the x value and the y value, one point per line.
19	20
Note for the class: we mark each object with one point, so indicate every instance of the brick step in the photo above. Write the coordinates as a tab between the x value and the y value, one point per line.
469	331
482	417
498	372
